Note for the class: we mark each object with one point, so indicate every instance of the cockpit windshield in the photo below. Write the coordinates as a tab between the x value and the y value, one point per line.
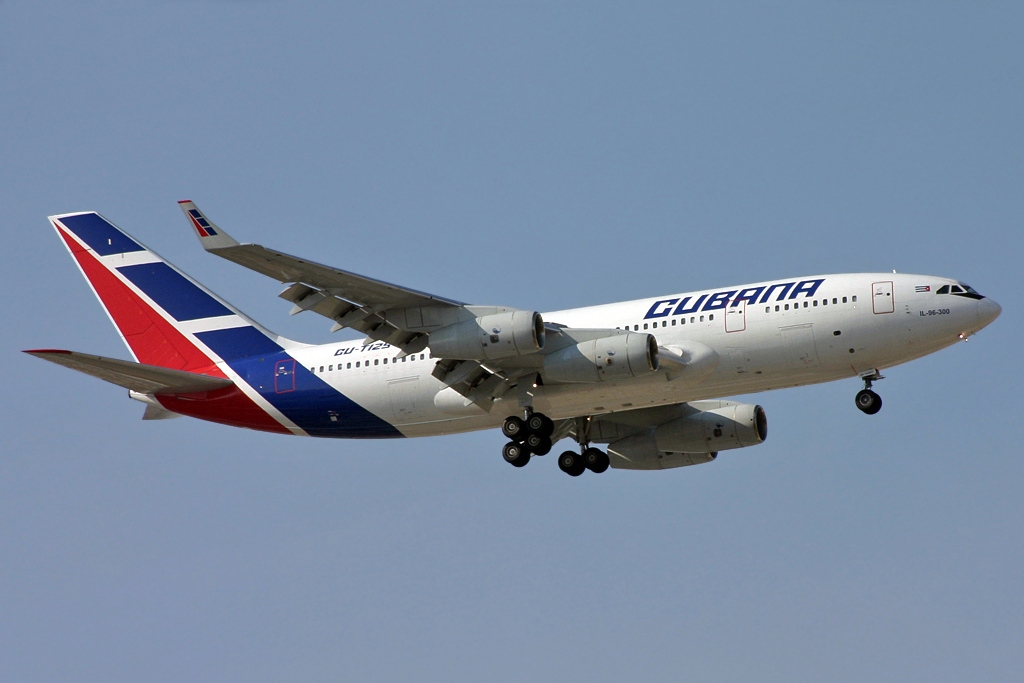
959	289
968	289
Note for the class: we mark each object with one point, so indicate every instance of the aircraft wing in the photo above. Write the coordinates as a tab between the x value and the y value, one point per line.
385	312
145	379
471	343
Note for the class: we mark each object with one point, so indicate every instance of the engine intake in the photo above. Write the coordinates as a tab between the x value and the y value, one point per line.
501	335
600	360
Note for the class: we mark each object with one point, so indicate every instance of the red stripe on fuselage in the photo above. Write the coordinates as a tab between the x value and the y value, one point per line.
228	406
155	341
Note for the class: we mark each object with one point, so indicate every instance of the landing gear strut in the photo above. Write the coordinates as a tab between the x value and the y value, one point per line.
529	436
868	401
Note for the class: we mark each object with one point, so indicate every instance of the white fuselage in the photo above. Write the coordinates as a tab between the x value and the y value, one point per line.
853	325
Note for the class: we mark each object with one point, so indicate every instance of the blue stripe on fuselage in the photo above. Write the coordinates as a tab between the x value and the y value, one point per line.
313	405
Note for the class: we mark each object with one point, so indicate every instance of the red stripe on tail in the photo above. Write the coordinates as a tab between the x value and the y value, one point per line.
152	339
155	341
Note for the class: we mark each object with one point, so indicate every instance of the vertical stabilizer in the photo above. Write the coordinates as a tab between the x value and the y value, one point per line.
162	315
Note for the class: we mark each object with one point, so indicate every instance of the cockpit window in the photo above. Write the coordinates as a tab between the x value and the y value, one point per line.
961	290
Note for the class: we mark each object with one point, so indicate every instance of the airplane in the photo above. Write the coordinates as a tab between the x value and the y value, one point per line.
644	378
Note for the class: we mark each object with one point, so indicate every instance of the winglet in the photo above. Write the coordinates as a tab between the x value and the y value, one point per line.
210	236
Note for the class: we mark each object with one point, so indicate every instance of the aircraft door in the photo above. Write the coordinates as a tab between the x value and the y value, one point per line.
881	297
736	316
284	376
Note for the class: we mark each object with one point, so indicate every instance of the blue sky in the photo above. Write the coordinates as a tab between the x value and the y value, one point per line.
535	155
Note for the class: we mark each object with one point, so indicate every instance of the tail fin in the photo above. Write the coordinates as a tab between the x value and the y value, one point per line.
164	317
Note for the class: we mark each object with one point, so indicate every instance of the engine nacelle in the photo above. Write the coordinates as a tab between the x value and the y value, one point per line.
693	439
599	360
640	452
500	335
717	426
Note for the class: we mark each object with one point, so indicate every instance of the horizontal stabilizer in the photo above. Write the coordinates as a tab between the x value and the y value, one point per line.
145	379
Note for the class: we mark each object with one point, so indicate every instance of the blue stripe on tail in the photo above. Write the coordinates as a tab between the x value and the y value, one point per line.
102	237
237	343
173	292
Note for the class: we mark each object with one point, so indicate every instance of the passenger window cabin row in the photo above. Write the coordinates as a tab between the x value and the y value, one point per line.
767	309
811	304
366	363
665	323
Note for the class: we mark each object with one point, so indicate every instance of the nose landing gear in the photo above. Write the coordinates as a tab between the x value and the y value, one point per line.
868	401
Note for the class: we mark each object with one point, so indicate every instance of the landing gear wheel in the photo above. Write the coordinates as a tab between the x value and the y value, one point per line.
538	445
596	460
515	454
868	401
513	427
541	424
571	463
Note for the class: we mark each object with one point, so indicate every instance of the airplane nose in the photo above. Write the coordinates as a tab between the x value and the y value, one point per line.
988	311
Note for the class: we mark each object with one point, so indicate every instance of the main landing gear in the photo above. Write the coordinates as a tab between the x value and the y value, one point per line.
530	436
868	401
593	459
589	458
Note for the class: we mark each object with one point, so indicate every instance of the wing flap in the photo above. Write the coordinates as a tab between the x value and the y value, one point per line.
145	379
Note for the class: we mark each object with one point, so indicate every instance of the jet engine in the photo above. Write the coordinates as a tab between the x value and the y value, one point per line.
599	360
692	439
717	426
500	335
